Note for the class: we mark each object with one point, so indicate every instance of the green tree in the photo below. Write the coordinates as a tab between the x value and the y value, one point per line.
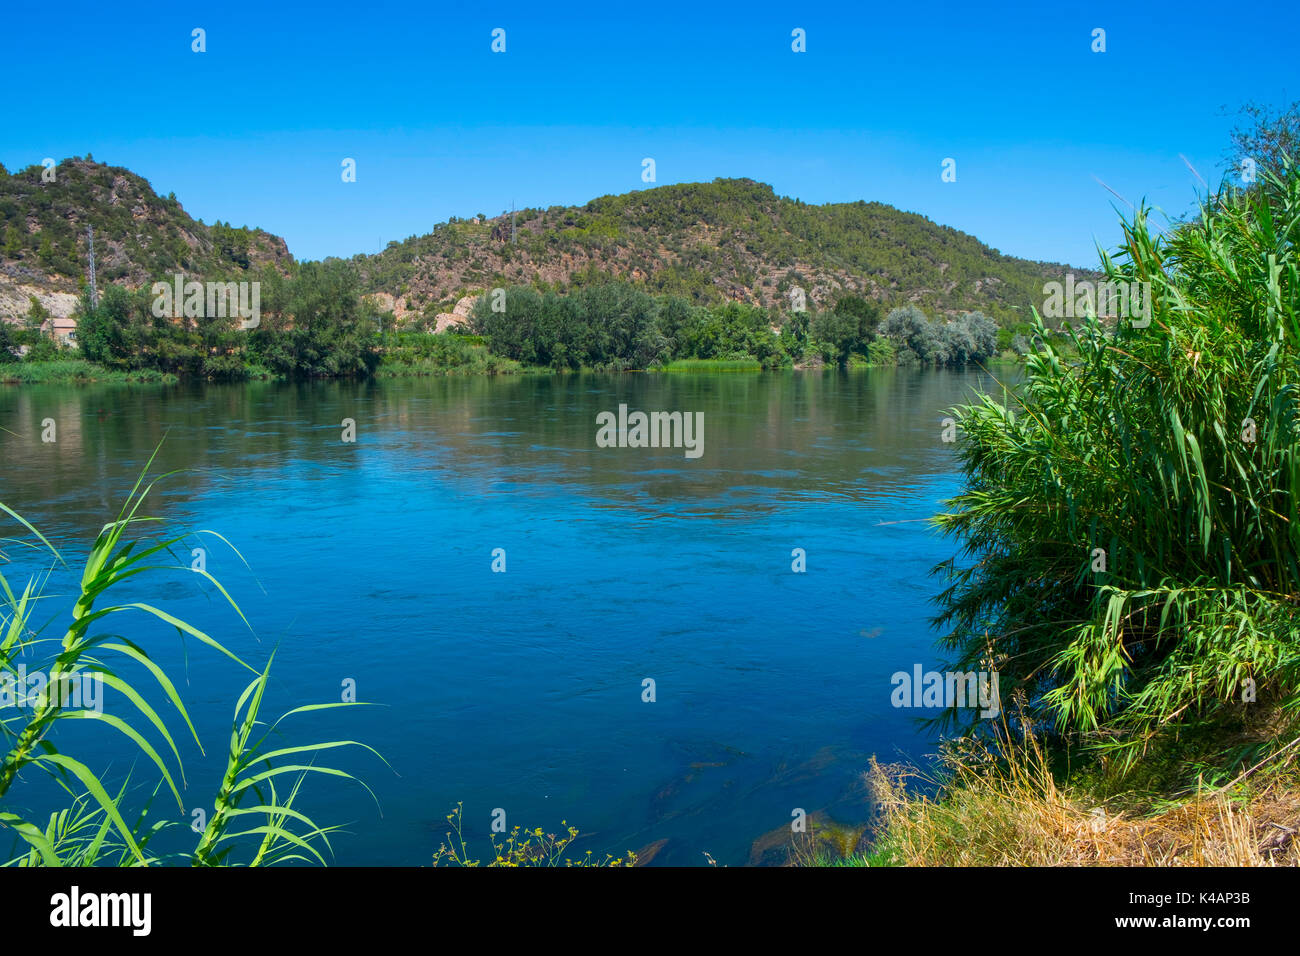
8	343
316	324
13	242
1268	138
915	337
103	330
93	333
837	333
797	330
36	314
865	314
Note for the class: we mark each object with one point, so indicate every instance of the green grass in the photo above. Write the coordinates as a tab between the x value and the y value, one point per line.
714	365
857	361
486	365
448	353
261	373
77	371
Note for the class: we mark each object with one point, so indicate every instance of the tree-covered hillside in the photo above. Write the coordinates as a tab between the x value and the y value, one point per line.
732	240
729	240
140	237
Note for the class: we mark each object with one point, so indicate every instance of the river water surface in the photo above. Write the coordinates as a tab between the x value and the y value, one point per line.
371	561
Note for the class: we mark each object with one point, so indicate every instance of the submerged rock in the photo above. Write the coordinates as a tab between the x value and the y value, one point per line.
825	839
647	853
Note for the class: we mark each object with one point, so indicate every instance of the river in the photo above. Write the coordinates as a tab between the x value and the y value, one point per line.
372	561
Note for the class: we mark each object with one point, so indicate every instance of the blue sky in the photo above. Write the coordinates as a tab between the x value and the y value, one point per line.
253	131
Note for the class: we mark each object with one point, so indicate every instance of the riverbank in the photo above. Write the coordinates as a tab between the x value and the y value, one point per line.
1017	800
78	372
477	362
1017	809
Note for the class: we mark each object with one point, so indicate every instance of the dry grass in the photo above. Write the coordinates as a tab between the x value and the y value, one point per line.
1016	814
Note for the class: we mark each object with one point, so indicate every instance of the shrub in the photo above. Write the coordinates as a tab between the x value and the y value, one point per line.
1131	517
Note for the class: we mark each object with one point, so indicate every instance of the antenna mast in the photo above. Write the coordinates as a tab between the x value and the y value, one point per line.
94	295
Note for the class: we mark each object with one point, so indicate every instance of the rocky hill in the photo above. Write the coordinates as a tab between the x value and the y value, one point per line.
732	239
140	237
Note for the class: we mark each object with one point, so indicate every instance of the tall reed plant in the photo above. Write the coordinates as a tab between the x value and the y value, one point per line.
253	820
1129	526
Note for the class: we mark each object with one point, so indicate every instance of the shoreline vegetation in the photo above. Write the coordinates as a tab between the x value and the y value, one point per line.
732	342
74	371
81	372
316	323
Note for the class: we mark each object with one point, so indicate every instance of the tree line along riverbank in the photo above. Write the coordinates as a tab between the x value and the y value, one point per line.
315	323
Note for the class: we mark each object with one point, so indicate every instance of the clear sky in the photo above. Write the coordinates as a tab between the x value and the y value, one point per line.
254	130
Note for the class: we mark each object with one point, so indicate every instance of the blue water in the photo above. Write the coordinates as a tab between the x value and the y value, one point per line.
522	690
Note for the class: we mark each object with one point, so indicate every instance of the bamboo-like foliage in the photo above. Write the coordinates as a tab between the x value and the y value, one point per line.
252	770
1173	449
102	828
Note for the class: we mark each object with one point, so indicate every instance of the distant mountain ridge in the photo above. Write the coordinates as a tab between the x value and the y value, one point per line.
731	239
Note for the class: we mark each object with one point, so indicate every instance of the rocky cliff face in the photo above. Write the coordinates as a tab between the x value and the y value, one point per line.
406	313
